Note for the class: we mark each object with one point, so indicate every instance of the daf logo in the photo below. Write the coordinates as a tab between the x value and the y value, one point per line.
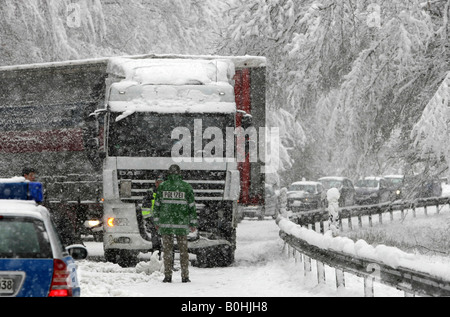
131	173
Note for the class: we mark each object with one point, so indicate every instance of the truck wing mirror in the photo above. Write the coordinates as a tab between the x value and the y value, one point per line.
247	121
98	112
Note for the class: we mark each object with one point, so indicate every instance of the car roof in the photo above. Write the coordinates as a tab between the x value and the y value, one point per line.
22	208
306	183
372	178
393	176
333	177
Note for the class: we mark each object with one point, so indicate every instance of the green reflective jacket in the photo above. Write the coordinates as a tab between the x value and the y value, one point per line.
148	205
175	211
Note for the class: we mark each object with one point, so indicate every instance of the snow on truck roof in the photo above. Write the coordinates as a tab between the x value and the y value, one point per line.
171	86
239	61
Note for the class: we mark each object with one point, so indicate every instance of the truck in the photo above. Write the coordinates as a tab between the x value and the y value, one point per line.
101	131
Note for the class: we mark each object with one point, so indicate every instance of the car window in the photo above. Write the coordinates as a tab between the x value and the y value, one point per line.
348	183
301	187
23	238
330	183
372	183
320	188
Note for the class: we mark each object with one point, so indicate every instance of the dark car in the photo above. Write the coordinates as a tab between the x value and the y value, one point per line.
345	187
306	195
395	183
421	186
372	190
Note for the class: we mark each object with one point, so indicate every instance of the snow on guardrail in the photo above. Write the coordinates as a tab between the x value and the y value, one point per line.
398	267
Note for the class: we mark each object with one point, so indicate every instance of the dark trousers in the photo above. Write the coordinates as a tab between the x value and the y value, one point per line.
168	240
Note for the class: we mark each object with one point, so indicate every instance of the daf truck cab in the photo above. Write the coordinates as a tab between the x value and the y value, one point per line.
164	111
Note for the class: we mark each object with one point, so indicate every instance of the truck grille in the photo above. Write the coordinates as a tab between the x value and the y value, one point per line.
207	185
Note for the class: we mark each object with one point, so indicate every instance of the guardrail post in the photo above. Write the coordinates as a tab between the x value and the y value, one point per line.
320	272
425	210
368	286
307	264
340	278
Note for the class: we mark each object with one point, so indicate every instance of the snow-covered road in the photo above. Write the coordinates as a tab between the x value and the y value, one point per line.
261	269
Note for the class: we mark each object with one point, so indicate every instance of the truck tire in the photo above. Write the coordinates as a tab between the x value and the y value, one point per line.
125	258
219	256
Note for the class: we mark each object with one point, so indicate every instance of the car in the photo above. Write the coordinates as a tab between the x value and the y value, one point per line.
395	183
422	186
372	190
33	261
345	187
306	195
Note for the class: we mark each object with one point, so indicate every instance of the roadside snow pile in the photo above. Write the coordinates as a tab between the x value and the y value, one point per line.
390	256
154	265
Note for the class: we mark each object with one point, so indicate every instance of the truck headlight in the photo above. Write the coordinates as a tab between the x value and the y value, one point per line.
92	223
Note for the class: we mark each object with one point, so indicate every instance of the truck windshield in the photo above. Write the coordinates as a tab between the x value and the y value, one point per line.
145	134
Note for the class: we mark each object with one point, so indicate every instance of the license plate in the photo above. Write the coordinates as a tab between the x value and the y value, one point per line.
6	286
296	203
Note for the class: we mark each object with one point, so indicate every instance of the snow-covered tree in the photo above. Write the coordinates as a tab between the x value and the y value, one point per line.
356	74
50	30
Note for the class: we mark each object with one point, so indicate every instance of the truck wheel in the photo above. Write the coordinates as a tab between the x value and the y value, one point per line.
220	256
124	258
225	256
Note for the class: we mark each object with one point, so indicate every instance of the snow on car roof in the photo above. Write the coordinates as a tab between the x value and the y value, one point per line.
393	176
333	177
306	183
21	208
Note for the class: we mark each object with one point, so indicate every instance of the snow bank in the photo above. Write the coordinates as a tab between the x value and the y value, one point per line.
390	256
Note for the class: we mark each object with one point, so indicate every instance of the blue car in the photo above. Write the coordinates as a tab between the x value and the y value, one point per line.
33	262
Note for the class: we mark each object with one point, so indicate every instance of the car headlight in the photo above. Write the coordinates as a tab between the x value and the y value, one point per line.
92	223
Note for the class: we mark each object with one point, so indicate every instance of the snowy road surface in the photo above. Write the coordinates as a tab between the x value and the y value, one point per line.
261	269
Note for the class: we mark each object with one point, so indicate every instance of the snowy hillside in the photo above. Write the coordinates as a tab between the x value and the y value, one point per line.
348	79
41	31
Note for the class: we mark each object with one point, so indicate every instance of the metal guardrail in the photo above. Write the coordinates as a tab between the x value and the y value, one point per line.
412	282
321	215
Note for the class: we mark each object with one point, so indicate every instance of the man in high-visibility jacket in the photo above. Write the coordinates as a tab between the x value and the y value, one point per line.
175	216
148	206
